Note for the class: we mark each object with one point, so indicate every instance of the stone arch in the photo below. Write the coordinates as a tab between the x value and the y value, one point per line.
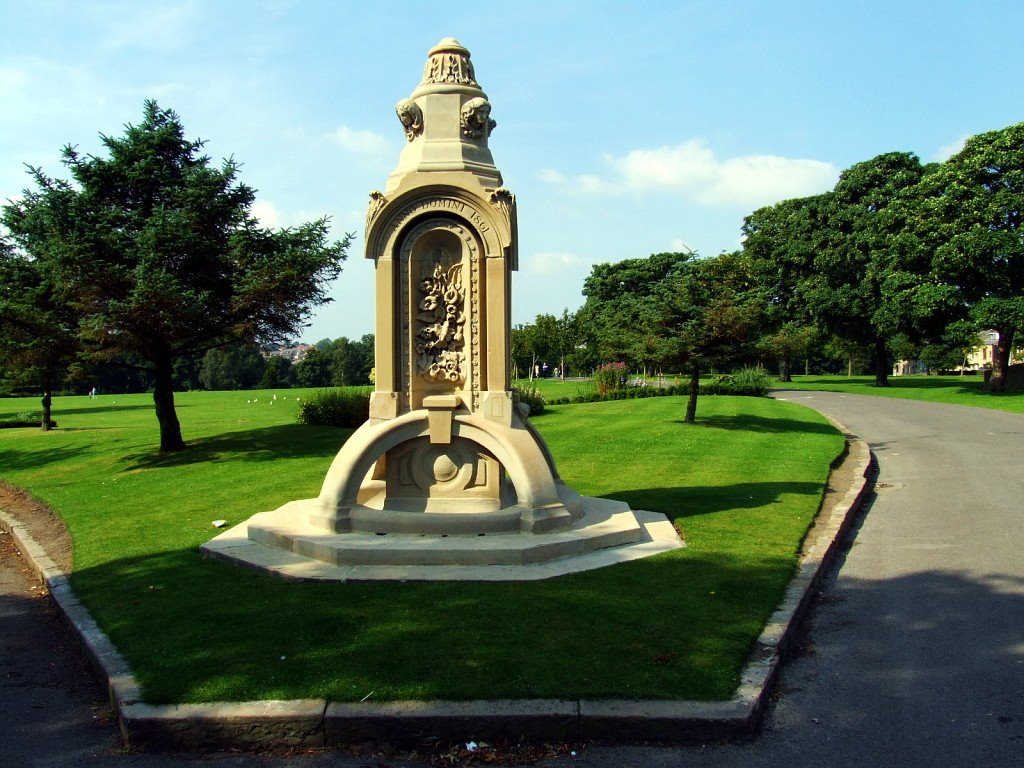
515	449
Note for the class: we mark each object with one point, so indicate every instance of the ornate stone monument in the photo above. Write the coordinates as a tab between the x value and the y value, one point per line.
447	471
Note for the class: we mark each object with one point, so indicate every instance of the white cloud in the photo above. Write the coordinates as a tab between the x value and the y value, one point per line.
764	179
693	170
946	152
551	176
359	142
267	214
149	25
690	165
552	263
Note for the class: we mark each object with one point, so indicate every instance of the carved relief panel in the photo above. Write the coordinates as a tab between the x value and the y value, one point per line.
440	305
439	326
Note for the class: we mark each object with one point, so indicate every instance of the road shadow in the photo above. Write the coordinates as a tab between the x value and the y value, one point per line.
921	665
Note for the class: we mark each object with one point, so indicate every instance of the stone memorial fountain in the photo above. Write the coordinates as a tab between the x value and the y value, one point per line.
448	478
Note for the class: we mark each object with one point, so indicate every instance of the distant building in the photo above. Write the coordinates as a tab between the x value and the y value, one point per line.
979	359
982	357
293	354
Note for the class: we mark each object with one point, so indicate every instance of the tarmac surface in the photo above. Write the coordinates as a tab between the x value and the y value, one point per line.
912	656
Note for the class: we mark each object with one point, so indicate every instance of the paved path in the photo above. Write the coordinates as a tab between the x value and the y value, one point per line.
914	655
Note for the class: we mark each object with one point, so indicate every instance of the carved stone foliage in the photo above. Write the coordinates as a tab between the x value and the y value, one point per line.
440	338
377	202
476	119
411	115
504	201
449	67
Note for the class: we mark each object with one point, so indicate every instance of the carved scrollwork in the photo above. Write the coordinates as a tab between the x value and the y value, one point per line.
440	339
411	116
476	118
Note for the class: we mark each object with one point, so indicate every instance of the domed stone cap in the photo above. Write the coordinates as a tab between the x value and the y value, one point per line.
447	122
448	62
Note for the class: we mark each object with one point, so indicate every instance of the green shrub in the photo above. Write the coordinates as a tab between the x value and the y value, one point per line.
336	407
610	377
752	379
531	396
26	419
748	382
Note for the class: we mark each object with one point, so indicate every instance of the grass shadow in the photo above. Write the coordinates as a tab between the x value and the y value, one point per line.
57	411
682	503
190	631
285	441
751	423
23	460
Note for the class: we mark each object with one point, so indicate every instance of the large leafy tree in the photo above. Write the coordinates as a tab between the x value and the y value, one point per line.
314	370
710	315
623	309
780	243
238	366
158	251
853	261
351	361
963	222
37	342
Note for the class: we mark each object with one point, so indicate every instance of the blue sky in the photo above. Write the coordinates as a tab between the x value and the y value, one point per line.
623	128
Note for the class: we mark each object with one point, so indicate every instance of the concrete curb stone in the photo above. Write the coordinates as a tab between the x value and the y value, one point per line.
317	722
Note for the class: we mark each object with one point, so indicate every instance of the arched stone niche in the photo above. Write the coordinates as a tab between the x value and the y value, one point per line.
441	225
441	314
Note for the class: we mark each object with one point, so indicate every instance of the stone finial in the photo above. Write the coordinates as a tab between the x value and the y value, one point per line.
448	62
447	121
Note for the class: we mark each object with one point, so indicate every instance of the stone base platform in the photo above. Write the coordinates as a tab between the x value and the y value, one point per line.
285	544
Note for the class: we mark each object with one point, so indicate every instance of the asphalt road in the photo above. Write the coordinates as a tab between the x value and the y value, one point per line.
913	655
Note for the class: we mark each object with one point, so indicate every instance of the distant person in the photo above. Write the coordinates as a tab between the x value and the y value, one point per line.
92	393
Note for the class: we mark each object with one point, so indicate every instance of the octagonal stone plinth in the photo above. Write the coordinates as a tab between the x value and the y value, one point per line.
286	544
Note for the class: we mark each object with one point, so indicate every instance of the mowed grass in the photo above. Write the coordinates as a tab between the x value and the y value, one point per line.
741	486
956	390
552	388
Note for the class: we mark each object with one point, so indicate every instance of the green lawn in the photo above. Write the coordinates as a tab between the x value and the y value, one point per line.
742	486
959	390
552	388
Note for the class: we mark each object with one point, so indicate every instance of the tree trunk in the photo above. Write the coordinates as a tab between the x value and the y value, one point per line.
163	398
1000	361
881	363
46	421
562	367
849	367
784	371
691	404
